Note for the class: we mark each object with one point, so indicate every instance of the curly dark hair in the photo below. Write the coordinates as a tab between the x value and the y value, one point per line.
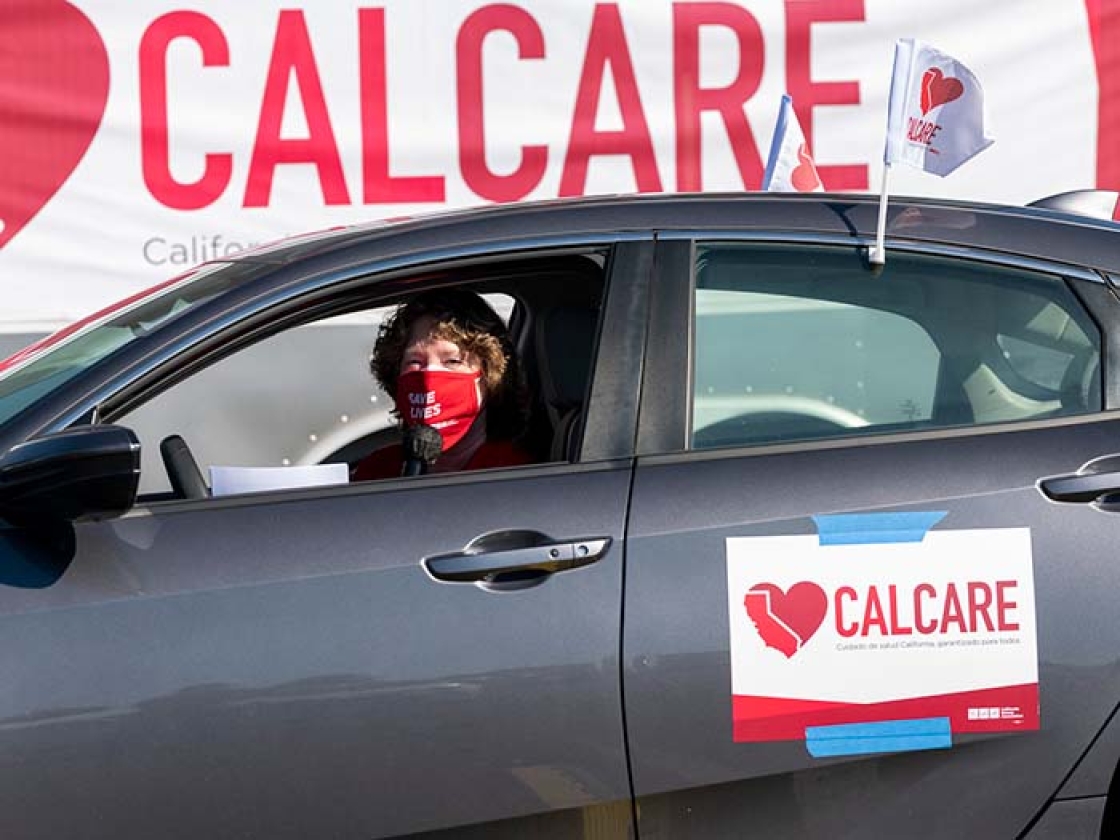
464	318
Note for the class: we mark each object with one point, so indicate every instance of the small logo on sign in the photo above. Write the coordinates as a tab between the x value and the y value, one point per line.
786	620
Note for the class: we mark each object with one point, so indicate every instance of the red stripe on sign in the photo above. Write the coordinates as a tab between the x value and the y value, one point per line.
1012	708
1104	29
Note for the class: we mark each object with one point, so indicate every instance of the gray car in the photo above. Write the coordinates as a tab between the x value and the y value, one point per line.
810	547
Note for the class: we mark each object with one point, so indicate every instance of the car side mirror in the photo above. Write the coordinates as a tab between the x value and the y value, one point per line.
89	472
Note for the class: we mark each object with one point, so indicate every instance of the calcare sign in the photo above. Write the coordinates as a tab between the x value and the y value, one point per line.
879	620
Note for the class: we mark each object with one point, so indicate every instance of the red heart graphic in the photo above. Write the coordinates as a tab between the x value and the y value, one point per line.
54	81
786	620
804	177
937	89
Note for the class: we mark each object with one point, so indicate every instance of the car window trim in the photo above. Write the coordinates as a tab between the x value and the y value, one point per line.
667	376
1101	302
146	506
665	414
612	404
871	439
991	256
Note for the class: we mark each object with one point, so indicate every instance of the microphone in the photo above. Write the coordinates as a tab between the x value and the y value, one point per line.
422	445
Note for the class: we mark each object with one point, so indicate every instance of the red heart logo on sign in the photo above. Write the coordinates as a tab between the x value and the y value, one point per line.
54	81
786	620
804	177
937	89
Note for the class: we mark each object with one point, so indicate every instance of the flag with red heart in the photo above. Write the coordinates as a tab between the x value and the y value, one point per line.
935	117
54	82
790	167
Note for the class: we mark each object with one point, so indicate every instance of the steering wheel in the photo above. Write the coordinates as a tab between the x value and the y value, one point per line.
182	469
761	418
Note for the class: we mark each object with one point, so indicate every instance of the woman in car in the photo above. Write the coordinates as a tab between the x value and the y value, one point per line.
448	361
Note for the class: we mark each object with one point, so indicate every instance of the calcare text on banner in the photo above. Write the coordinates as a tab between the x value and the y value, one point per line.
195	130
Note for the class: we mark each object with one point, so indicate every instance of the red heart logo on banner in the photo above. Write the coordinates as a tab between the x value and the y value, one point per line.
804	177
786	620
54	81
937	89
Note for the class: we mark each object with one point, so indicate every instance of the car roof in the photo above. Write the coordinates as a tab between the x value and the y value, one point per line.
1034	232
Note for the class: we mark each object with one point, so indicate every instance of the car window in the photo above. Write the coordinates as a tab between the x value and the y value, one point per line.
303	396
47	364
306	395
792	344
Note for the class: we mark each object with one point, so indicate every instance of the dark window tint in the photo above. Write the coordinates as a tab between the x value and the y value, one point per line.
798	343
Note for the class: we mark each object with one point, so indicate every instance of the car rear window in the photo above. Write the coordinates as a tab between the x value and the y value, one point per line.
804	342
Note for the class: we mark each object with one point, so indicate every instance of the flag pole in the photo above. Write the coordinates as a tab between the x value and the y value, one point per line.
878	253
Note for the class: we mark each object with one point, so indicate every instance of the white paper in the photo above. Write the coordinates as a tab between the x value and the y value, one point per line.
225	481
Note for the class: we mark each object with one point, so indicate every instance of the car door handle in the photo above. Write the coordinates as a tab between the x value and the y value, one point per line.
479	564
1096	479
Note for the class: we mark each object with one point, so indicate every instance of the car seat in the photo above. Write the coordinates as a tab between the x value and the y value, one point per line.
564	347
1081	383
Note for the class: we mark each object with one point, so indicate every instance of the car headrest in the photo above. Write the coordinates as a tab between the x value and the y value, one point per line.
1081	384
565	345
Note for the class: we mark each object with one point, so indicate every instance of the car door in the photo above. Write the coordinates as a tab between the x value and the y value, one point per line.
850	612
360	660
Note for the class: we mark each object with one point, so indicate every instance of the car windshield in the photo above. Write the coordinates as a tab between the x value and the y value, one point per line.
37	370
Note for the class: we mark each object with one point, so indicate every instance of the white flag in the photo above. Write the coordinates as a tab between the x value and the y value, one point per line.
935	118
790	167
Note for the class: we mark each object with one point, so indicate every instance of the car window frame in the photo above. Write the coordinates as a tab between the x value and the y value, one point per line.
263	284
282	299
664	429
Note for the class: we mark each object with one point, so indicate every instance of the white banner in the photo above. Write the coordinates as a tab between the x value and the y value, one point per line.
141	138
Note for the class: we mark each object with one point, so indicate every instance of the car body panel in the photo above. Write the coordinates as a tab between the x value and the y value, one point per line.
1069	819
690	777
1095	770
287	667
687	769
283	665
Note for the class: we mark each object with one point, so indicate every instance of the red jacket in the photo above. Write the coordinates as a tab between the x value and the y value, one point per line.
388	461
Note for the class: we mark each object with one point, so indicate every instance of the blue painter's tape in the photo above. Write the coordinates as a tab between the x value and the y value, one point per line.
881	737
855	528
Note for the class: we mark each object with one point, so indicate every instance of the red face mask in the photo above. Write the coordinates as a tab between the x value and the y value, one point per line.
448	401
